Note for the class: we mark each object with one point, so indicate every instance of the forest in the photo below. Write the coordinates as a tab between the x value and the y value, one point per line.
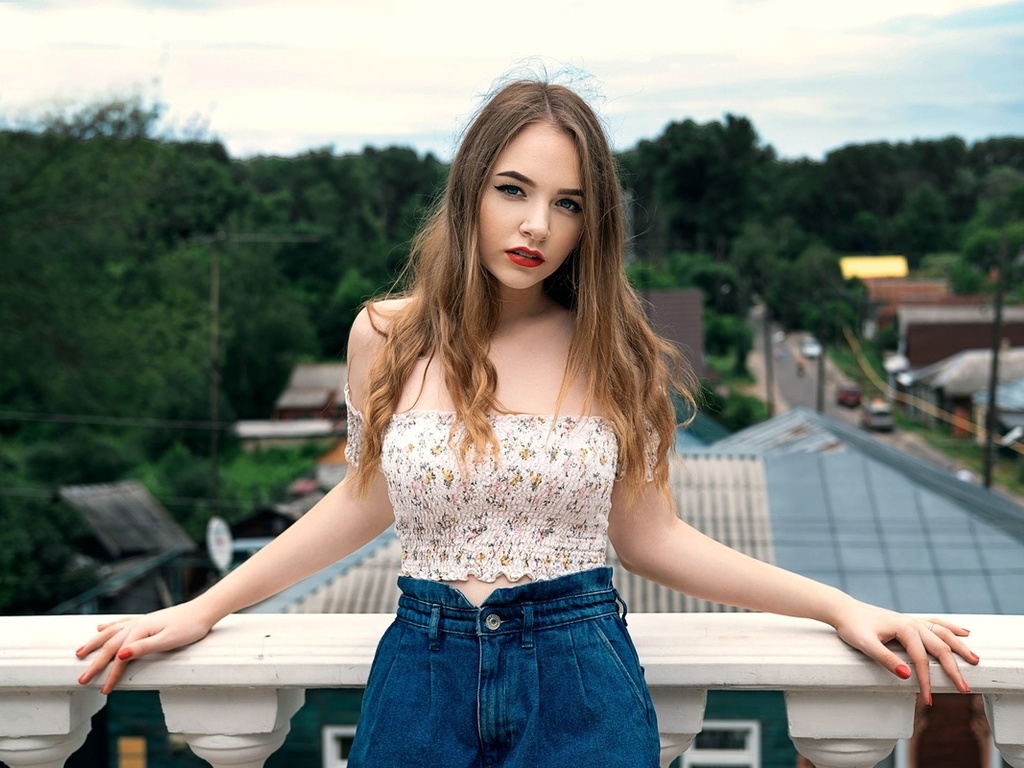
124	251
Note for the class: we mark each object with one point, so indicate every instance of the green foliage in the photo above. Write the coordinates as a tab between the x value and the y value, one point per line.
109	234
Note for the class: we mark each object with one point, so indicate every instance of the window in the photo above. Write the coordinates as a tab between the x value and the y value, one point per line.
725	744
337	742
131	752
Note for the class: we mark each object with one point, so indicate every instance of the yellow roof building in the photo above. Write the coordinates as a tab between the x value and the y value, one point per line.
867	267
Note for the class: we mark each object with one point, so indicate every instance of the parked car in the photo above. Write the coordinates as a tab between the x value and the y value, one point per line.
848	394
810	348
876	415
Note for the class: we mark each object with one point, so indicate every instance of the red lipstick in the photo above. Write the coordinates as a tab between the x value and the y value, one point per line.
525	257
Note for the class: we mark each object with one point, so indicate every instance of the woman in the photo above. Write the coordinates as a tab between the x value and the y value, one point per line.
510	413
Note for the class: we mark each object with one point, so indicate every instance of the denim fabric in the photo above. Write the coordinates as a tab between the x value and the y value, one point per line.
542	674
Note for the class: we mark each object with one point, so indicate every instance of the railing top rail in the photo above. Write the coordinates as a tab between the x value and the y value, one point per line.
727	650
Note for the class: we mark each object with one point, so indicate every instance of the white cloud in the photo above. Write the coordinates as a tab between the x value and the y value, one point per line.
277	77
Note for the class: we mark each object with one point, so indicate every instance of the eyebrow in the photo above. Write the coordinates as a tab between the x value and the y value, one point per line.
526	180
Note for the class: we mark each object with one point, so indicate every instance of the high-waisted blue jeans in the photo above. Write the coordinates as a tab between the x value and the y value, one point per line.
540	675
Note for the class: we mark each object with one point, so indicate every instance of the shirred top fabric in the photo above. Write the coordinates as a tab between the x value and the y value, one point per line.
538	509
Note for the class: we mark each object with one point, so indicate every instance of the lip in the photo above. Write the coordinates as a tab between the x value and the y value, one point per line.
525	257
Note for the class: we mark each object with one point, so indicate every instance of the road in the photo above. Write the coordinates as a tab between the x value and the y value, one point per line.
792	389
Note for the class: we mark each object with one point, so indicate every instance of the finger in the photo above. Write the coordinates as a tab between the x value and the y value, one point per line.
117	669
951	637
910	639
106	633
956	629
946	657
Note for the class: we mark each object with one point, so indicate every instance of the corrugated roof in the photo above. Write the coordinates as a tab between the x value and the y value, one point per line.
790	432
126	519
724	496
814	494
1009	396
313	386
964	373
955	313
891	528
867	267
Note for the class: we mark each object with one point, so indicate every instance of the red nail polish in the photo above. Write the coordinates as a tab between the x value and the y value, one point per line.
124	654
903	671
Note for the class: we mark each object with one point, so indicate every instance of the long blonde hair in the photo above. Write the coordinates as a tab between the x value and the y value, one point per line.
452	308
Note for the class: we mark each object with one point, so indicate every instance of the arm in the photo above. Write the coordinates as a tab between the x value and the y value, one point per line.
339	524
653	542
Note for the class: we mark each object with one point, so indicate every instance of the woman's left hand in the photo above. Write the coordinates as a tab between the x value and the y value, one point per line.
868	628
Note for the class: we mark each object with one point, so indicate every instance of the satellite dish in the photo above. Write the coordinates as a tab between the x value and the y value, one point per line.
219	544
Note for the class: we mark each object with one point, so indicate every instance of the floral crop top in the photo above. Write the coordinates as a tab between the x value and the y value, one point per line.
539	509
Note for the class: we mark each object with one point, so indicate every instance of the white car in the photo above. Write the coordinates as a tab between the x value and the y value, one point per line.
810	348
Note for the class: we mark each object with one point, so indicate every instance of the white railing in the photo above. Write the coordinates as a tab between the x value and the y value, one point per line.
232	696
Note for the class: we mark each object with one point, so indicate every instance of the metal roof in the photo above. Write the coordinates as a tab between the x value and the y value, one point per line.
966	372
126	519
724	496
813	494
888	527
1009	396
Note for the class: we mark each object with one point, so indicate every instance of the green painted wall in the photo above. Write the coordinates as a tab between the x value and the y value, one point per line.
139	714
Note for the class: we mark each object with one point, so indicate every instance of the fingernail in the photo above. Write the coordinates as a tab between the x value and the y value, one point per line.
975	656
929	700
967	688
79	651
81	679
903	671
124	653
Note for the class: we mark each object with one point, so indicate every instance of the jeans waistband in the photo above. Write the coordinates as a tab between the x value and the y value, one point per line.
443	609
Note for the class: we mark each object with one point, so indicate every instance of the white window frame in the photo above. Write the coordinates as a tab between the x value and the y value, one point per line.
329	735
727	758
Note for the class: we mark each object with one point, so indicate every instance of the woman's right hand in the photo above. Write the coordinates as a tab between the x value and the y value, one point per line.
116	643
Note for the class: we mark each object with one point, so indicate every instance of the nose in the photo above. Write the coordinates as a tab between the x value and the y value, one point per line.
536	224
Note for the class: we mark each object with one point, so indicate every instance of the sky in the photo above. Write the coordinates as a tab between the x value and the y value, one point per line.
285	77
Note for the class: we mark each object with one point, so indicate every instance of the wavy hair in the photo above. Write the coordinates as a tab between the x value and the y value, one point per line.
452	306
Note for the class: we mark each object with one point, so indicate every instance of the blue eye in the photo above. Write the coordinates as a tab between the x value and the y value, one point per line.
569	205
509	189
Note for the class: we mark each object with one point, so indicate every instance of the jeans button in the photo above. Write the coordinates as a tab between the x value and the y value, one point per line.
493	621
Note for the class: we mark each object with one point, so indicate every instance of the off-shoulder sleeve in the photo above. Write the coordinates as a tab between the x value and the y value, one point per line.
354	444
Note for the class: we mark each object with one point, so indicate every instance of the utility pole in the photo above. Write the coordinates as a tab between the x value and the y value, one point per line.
215	242
993	377
769	369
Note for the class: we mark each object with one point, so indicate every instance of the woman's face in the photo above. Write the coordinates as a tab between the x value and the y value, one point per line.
531	210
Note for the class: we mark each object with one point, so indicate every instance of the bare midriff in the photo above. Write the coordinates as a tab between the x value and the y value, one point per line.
477	591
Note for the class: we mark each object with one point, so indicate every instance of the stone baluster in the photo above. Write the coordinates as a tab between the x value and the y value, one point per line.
1005	712
42	728
680	719
232	727
848	729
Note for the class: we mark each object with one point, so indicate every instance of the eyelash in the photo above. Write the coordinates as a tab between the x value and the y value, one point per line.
513	190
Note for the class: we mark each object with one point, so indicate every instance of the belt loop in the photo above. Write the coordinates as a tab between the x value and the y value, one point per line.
621	604
528	626
435	619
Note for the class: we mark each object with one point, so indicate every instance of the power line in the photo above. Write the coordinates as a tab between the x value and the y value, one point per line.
114	421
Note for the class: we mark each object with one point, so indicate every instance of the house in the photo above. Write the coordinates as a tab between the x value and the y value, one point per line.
873	267
1009	414
678	316
140	548
951	385
810	493
314	391
930	333
310	409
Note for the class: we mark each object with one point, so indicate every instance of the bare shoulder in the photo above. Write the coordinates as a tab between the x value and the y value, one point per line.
366	338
